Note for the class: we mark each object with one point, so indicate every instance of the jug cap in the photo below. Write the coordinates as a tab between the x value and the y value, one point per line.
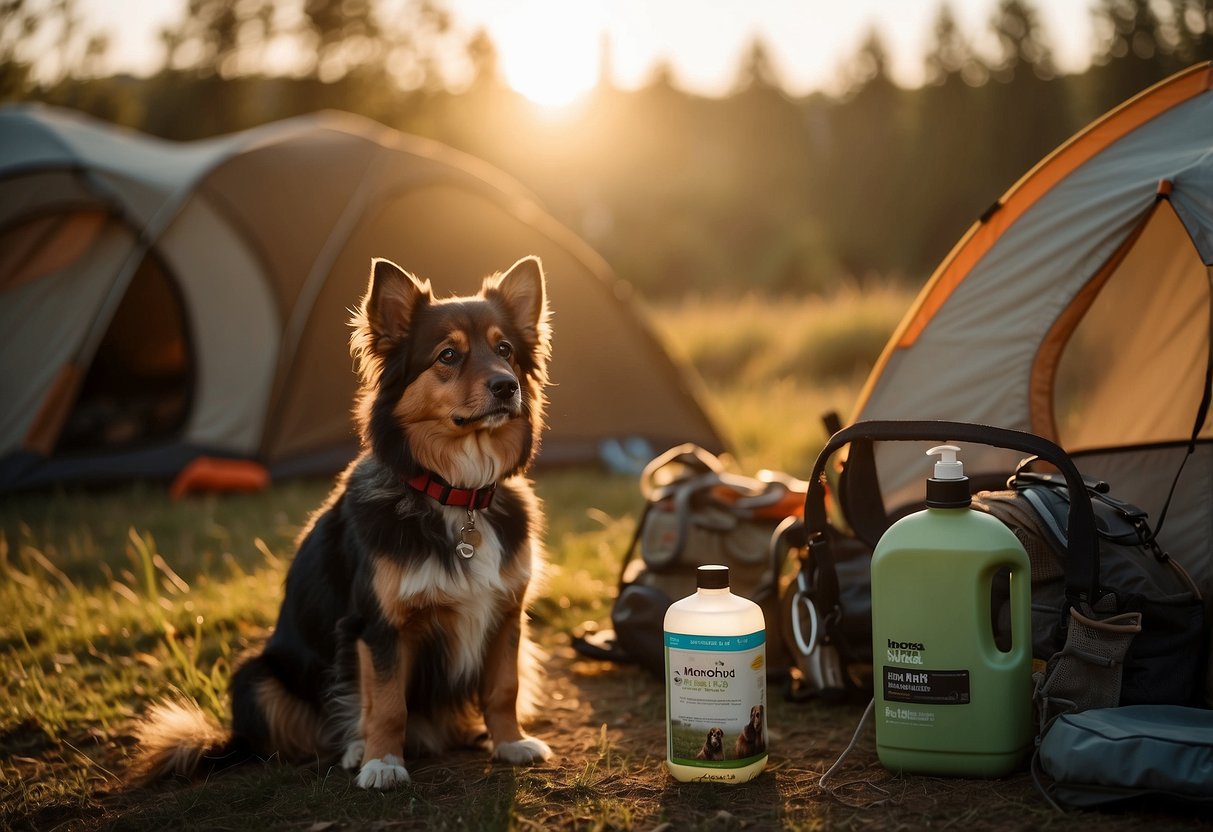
949	488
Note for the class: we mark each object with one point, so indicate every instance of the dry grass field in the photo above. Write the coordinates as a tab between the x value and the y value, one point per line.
113	599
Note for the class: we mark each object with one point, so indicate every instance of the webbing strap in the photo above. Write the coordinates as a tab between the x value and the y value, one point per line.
1082	561
1202	413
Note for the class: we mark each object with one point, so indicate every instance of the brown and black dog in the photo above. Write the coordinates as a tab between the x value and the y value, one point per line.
751	740
713	746
401	629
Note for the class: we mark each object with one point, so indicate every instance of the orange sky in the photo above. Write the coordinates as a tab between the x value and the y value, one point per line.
550	49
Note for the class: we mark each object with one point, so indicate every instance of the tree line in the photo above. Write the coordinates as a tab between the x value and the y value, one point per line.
754	190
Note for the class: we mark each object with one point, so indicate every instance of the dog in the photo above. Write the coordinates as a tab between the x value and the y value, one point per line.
401	630
751	741
713	745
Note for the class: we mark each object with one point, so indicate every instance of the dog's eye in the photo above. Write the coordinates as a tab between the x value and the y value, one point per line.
448	357
505	349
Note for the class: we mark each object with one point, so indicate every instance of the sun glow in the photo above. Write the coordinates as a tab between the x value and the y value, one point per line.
549	49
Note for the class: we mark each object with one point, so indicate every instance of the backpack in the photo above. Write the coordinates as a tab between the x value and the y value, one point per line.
695	513
1163	660
1120	757
1117	623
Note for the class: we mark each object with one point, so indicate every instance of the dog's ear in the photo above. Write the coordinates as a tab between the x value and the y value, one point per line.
523	290
392	297
382	319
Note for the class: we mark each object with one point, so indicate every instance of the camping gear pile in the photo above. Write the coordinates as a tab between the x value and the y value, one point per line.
695	512
1119	621
163	302
1101	577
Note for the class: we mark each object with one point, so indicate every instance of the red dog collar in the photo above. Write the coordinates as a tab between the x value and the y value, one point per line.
436	488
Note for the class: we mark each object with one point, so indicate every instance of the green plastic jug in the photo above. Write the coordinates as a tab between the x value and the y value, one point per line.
948	700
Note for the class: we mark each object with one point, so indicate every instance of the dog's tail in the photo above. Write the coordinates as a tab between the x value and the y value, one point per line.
178	738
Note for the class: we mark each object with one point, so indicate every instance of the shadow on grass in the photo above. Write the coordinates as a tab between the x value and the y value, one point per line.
462	792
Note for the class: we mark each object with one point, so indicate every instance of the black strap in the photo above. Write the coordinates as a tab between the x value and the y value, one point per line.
1082	561
628	552
1202	413
859	491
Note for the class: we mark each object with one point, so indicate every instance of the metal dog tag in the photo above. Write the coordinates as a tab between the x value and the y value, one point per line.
469	537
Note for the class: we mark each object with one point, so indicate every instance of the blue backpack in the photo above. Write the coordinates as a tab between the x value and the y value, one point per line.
1109	757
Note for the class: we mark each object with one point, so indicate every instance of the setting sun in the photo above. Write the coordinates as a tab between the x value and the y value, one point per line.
549	50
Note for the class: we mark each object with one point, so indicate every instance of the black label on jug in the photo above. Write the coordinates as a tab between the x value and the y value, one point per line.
927	687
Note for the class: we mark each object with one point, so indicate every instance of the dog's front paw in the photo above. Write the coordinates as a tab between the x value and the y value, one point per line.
383	774
352	758
522	752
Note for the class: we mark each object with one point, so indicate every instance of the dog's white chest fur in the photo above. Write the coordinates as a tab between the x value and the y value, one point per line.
472	592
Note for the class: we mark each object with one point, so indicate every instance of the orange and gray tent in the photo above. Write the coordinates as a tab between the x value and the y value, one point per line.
1078	308
162	303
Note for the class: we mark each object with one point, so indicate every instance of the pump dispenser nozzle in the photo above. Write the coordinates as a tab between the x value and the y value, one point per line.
948	467
949	488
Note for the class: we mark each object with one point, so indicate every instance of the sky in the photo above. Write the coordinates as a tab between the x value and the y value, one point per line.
550	49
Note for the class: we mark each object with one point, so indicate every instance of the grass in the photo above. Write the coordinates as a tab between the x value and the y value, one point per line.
114	599
775	368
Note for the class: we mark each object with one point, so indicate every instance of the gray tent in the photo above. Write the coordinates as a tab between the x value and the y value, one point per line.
1078	308
163	301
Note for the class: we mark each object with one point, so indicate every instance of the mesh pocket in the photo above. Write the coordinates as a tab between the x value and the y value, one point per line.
1086	672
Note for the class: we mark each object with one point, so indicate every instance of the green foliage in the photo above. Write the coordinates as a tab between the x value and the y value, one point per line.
590	520
780	365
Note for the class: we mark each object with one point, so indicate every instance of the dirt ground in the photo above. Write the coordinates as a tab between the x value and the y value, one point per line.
597	702
605	723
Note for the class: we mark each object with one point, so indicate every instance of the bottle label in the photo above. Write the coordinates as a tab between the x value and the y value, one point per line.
716	689
926	687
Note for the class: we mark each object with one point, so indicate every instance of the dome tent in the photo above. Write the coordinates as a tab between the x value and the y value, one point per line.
166	301
1077	308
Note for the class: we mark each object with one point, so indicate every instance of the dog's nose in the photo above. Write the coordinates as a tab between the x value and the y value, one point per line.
503	386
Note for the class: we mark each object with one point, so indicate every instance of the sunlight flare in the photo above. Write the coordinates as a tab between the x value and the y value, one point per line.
549	50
